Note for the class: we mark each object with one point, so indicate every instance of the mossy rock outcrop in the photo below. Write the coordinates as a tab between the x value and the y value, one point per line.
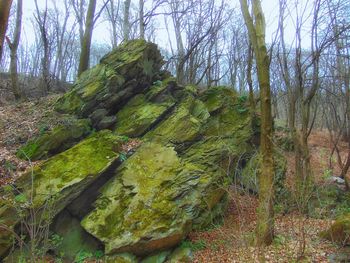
249	175
124	72
163	191
55	141
53	184
161	170
339	232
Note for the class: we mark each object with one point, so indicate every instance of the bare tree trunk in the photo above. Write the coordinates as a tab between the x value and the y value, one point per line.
126	22
249	79
5	6
141	19
41	19
256	30
13	48
86	44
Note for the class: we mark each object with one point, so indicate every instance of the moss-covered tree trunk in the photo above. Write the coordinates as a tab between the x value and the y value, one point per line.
256	30
86	43
5	6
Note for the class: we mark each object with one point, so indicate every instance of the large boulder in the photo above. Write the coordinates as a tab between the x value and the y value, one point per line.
60	138
339	231
124	72
163	191
55	183
161	170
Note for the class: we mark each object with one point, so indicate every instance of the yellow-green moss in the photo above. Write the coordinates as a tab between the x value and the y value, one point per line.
65	175
249	177
133	205
60	138
182	125
138	115
339	232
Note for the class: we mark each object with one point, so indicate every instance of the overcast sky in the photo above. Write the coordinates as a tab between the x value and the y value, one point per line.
100	34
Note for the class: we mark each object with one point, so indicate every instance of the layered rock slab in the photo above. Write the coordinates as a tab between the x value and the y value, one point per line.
129	69
53	184
159	194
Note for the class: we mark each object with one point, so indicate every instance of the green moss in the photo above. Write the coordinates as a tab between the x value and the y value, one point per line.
121	258
138	115
69	103
339	232
125	71
159	87
60	138
182	125
216	97
73	237
158	258
250	174
133	205
64	176
181	254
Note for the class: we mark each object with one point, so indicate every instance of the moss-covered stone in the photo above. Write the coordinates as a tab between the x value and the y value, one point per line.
157	195
180	254
55	141
134	205
158	258
139	115
249	175
73	237
65	175
339	232
229	114
121	258
60	179
124	72
183	125
8	220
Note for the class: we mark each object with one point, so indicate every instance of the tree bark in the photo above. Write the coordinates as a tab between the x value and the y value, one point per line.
5	6
13	48
265	221
141	17
126	22
86	43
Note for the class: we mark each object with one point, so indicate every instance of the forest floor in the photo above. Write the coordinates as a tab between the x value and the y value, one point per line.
231	241
297	236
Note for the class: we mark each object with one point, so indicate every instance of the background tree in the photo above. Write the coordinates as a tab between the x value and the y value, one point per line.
256	30
126	22
13	48
86	43
5	6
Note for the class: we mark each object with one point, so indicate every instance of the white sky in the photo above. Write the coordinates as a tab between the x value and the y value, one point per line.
101	35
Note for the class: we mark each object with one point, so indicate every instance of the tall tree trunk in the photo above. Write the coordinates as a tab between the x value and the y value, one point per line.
86	44
41	19
265	222
249	80
13	48
5	6
141	17
126	22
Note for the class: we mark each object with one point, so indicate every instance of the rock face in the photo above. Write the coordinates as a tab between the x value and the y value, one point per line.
58	181
59	139
339	232
160	166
